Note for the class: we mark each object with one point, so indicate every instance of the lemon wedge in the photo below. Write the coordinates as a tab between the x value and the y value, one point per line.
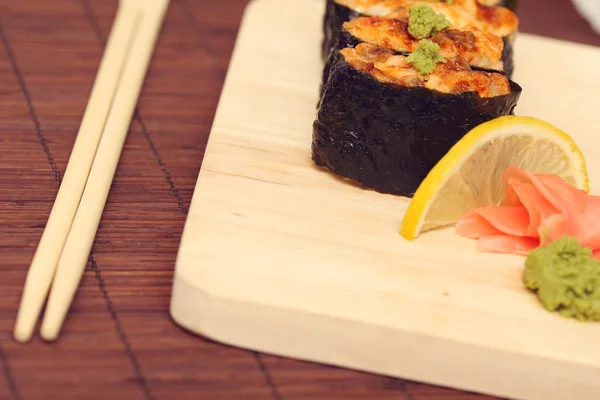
470	174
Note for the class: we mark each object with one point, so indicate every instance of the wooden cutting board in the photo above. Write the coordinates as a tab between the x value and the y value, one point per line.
281	257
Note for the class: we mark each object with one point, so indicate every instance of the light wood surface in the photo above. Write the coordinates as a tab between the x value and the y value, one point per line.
284	258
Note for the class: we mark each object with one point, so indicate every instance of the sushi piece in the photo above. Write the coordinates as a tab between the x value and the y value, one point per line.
463	15
468	15
479	49
386	119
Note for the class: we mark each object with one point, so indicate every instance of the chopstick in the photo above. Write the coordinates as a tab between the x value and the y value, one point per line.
45	259
80	238
76	251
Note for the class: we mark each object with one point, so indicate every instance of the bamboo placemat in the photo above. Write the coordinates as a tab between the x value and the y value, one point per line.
119	341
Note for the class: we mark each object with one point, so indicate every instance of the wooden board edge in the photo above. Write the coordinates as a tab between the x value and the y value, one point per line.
474	368
281	332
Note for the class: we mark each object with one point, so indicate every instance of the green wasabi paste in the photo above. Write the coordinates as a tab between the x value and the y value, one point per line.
566	278
425	57
424	22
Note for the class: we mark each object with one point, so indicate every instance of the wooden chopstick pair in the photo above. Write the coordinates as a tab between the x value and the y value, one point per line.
65	245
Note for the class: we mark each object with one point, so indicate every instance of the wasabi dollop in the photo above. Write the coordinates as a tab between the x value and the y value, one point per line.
424	22
566	278
425	57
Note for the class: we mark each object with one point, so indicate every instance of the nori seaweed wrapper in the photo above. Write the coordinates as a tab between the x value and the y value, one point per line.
335	16
345	40
388	138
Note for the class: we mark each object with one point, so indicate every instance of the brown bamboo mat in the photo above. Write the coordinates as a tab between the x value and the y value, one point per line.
119	341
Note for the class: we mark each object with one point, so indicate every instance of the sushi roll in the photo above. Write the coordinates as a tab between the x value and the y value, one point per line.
463	15
479	49
470	14
385	119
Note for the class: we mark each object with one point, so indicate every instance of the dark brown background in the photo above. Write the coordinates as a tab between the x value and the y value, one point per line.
119	342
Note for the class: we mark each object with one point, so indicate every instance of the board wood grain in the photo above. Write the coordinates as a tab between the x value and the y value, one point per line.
282	257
